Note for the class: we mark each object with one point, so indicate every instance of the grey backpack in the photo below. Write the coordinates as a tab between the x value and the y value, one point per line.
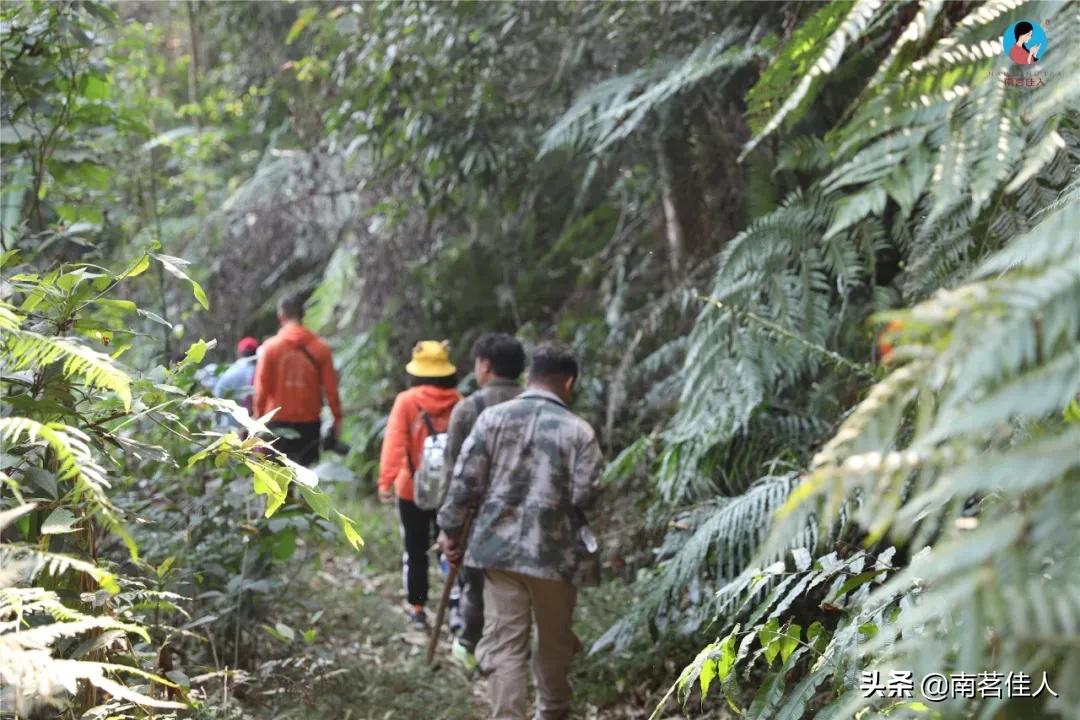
427	478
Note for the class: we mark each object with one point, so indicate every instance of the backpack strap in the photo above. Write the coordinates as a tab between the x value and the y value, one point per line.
427	421
308	355
431	432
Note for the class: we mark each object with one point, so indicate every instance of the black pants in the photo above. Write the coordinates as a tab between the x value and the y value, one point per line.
418	530
303	449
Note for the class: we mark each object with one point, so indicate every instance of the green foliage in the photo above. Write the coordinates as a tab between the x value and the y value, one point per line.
66	468
614	109
786	84
982	375
94	446
30	350
562	171
983	476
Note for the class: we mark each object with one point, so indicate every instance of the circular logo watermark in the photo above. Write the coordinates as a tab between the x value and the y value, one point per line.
1024	42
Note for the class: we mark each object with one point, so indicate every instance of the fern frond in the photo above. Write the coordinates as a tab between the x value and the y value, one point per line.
613	109
38	561
915	31
860	16
74	461
992	364
24	349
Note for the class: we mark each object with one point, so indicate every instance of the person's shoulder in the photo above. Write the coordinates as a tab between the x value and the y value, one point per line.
271	346
502	412
497	394
409	393
582	427
406	398
464	407
237	368
514	404
320	346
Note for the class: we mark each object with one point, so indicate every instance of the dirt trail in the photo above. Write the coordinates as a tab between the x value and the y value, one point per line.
364	662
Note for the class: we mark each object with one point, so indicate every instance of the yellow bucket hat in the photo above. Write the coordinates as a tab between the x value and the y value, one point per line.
431	359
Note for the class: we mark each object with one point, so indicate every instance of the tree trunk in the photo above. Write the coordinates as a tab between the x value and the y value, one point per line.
678	193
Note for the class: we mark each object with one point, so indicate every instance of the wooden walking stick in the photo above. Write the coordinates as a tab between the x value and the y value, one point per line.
444	601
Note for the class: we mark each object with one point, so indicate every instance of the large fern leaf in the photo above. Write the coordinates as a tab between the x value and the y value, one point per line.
25	349
615	108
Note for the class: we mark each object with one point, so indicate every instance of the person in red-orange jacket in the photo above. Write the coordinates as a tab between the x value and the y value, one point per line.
295	373
433	380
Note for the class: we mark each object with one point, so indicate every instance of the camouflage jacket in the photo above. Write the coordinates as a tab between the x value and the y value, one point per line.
540	465
464	417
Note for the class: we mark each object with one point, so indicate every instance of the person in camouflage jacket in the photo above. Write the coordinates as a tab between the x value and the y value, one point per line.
529	470
498	362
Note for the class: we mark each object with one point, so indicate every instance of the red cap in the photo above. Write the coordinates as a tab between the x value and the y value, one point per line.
247	346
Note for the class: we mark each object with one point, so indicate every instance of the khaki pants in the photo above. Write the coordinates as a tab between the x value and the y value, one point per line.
512	603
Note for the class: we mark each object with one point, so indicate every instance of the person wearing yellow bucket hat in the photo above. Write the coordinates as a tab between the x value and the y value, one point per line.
420	412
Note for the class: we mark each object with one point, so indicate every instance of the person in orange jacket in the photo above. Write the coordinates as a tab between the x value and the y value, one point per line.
432	392
295	373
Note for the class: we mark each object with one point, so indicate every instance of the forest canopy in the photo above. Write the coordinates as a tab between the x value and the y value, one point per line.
818	263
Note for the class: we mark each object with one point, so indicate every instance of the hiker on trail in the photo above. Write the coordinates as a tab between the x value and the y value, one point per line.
529	469
498	361
295	372
236	383
420	413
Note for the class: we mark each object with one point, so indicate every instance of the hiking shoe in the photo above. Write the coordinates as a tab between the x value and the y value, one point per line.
463	655
417	616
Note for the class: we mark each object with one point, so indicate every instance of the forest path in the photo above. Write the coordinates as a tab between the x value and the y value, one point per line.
364	662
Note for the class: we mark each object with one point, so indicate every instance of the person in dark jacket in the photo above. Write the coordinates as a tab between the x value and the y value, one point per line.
498	361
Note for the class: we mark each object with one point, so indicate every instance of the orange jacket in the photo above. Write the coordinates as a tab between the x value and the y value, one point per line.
406	430
287	378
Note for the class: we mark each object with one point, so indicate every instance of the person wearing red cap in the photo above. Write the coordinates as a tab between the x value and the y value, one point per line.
237	381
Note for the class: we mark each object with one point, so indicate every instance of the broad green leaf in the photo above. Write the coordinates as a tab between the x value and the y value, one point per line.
286	631
695	667
789	641
124	306
726	662
9	258
318	501
268	482
195	353
348	527
97	88
200	295
705	678
154	317
174	266
141	265
60	521
817	636
767	636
